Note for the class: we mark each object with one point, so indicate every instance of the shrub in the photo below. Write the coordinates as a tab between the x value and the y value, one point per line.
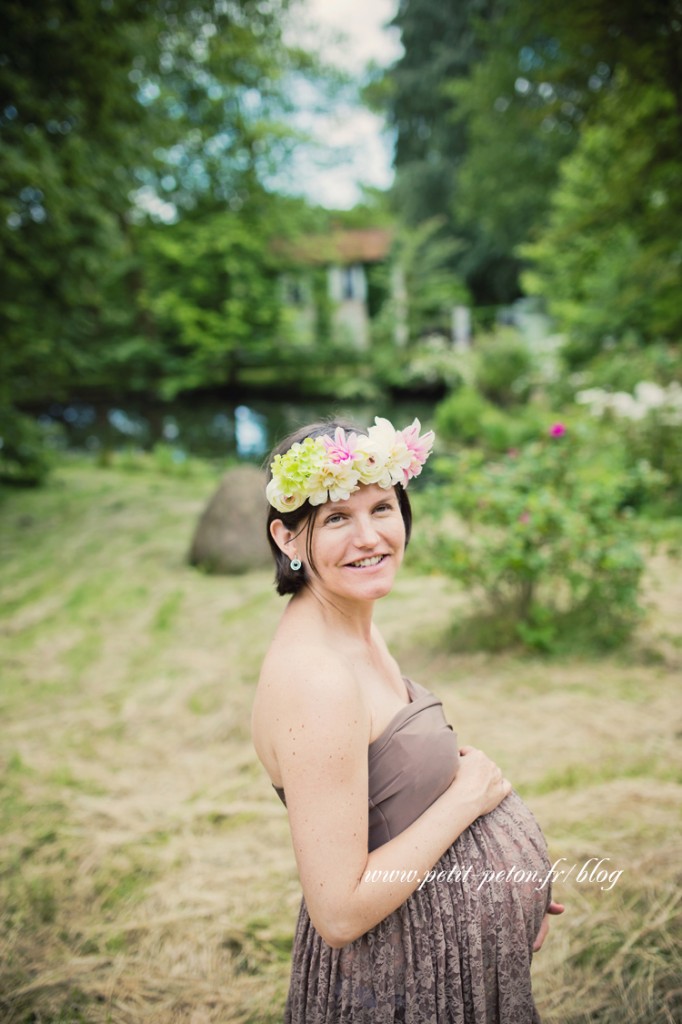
433	362
648	422
467	417
460	415
547	541
429	365
503	368
622	366
25	458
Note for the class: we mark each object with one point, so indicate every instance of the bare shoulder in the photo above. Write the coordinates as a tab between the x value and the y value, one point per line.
301	676
306	694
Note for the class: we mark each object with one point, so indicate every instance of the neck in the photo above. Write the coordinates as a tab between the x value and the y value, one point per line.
349	619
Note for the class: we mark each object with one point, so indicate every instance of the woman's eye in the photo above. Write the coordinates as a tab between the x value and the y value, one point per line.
335	518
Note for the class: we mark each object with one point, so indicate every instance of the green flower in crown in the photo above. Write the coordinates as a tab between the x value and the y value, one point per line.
294	472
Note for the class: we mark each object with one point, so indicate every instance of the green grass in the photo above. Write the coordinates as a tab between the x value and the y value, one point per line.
168	612
605	769
146	871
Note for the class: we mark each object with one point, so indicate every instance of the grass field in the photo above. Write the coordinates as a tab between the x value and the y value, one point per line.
146	873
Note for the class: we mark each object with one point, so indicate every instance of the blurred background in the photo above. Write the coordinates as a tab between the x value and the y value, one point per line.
222	206
220	219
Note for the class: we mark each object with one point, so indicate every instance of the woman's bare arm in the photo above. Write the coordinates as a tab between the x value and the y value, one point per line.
320	733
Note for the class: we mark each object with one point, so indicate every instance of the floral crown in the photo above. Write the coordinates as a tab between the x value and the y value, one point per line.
327	468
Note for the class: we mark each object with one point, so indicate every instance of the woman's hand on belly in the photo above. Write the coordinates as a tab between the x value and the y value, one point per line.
479	781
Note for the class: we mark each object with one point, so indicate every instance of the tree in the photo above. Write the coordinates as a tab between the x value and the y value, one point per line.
71	128
115	115
211	292
522	112
440	43
545	88
443	43
489	99
608	259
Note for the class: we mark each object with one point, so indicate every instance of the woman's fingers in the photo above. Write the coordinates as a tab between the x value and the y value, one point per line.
542	934
553	908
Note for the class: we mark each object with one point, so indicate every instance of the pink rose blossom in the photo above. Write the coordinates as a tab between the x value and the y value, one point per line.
418	447
340	448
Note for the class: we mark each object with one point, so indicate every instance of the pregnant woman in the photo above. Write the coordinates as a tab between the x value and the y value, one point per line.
424	876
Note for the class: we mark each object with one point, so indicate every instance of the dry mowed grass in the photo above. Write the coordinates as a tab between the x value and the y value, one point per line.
146	873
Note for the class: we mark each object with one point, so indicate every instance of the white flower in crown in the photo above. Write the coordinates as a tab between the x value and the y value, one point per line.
281	501
333	482
386	457
338	477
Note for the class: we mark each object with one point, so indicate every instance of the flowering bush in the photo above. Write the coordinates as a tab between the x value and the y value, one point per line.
649	422
648	398
621	364
547	542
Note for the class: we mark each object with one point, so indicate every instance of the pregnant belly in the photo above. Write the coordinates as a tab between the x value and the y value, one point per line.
472	921
509	867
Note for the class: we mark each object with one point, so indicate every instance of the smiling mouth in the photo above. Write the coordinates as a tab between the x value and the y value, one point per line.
365	563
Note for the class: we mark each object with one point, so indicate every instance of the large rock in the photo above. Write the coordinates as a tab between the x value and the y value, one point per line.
230	535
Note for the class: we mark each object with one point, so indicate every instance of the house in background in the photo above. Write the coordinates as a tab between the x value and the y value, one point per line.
329	290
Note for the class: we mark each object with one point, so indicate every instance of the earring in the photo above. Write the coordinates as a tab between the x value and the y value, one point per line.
295	564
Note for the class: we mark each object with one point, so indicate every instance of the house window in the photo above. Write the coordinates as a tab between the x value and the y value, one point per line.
348	288
294	292
353	283
348	283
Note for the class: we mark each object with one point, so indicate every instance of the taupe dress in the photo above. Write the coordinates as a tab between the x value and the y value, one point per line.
458	950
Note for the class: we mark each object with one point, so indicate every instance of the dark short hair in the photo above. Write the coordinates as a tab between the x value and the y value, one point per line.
288	580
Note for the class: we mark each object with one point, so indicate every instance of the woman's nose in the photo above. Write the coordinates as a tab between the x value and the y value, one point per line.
365	531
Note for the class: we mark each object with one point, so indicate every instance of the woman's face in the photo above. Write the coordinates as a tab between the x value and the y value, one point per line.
358	544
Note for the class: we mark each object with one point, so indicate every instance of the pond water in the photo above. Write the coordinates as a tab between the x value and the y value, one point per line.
209	427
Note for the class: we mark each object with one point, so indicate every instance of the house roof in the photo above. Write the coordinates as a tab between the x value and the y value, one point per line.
362	245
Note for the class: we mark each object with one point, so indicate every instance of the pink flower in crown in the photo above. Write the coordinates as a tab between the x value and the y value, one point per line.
384	456
338	475
418	447
340	448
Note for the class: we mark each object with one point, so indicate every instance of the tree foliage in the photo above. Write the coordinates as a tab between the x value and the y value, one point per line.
138	136
609	258
71	128
491	101
211	292
442	43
